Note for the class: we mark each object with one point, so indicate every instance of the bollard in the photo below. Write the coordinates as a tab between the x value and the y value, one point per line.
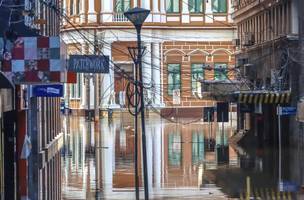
248	188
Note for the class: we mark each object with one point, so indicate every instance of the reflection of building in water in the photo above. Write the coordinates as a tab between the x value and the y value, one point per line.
176	158
79	169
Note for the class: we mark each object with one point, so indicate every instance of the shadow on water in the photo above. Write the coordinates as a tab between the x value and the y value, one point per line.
194	161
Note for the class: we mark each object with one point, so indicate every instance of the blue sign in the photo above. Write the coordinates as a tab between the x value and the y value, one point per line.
89	64
287	111
55	90
288	186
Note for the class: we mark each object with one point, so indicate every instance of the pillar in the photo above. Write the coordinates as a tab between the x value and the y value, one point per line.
155	11
162	12
185	12
157	155
147	70
92	17
82	13
106	10
107	86
209	14
146	4
156	73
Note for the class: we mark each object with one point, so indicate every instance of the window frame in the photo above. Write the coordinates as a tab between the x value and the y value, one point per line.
172	11
216	69
219	12
170	93
194	6
192	69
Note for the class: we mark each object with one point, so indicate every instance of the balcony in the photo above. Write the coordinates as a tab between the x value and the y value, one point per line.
119	17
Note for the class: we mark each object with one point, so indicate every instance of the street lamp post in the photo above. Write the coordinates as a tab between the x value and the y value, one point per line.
137	16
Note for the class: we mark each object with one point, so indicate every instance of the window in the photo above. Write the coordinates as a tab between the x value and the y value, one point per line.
175	149
195	6
174	79
122	5
198	149
219	6
220	71
197	73
172	6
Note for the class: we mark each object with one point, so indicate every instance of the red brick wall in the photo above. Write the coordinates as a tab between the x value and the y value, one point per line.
186	53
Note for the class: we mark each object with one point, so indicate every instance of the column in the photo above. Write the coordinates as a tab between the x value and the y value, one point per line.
83	98
107	10
107	86
156	72
157	156
185	12
91	11
146	4
230	11
209	14
155	11
135	3
150	156
107	158
82	11
147	70
163	11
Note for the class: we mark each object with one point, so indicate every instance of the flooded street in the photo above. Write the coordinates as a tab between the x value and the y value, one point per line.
191	161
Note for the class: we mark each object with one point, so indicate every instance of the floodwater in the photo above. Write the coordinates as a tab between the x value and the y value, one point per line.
184	161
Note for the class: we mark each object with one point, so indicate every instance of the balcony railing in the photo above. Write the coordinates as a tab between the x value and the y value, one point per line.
119	17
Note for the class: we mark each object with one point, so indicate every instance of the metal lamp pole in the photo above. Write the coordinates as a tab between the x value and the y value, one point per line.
137	16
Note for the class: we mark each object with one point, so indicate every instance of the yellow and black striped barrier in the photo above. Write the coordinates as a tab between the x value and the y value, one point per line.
264	98
250	192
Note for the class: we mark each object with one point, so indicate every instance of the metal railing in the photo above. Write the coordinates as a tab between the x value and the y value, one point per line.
119	17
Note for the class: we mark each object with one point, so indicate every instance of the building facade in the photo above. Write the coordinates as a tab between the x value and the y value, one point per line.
31	135
269	54
184	41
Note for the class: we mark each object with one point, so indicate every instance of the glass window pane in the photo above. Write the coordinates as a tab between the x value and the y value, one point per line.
174	80
197	74
172	6
219	6
174	149
220	71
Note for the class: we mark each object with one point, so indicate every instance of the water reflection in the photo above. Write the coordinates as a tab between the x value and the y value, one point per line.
98	159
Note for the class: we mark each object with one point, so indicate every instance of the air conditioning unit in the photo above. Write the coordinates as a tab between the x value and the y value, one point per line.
236	42
248	39
235	3
249	71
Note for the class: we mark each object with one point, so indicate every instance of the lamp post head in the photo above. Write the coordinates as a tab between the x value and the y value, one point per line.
137	16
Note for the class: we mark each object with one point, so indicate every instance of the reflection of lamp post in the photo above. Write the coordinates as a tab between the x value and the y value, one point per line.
137	16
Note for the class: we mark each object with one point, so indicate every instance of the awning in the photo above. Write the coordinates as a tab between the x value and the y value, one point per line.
264	97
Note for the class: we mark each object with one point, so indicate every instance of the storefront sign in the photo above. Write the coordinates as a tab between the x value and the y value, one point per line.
89	64
48	90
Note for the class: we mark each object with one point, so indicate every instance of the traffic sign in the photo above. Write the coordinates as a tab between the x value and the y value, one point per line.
176	97
55	90
287	110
